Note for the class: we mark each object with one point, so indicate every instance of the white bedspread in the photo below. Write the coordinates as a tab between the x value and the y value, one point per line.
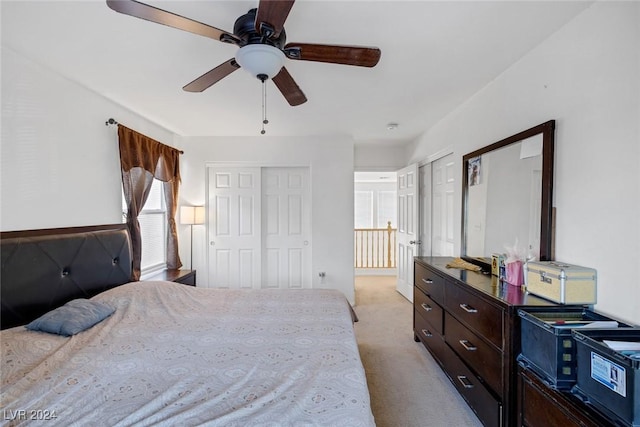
177	355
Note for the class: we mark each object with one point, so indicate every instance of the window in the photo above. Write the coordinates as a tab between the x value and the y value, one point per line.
387	208
153	227
375	208
363	208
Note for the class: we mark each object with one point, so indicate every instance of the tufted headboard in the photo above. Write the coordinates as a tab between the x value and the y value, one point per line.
43	269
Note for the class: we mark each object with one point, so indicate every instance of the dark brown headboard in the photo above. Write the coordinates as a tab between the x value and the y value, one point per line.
43	269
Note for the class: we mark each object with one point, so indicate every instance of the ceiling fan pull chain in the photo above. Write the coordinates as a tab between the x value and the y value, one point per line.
264	78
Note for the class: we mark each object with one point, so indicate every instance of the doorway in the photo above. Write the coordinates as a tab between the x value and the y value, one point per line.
375	223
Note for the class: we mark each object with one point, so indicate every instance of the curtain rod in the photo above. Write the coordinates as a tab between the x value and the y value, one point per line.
112	121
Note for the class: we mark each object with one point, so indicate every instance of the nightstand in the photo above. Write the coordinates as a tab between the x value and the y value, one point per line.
186	277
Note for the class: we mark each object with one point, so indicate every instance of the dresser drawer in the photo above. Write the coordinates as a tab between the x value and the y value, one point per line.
430	338
480	356
476	313
479	398
429	282
537	403
428	309
560	409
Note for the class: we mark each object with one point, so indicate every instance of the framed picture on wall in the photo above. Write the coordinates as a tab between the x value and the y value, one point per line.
475	171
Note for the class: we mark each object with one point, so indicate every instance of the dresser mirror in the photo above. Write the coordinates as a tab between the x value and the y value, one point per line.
507	196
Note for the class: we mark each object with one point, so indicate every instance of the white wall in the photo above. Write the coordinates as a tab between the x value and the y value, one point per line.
60	162
586	77
60	166
376	157
331	170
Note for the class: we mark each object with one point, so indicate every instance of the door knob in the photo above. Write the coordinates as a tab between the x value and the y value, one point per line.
415	242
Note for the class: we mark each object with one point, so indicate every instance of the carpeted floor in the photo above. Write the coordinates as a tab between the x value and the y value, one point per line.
406	385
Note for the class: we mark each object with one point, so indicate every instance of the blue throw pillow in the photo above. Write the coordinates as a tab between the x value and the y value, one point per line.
71	318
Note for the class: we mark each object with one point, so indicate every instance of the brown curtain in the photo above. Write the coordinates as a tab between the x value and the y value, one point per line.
142	159
171	198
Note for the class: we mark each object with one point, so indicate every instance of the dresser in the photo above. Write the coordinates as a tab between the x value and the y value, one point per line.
469	322
541	406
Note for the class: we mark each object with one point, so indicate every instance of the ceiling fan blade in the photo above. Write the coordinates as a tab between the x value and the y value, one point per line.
289	88
211	77
153	14
271	16
334	54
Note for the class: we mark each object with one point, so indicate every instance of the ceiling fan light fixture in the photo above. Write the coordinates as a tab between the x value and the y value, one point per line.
260	59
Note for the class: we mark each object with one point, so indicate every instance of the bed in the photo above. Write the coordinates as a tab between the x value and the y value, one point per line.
168	354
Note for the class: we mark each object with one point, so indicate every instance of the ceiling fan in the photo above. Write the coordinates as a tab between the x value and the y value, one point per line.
261	39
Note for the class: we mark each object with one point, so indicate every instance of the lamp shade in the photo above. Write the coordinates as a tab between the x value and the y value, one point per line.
260	59
192	215
198	215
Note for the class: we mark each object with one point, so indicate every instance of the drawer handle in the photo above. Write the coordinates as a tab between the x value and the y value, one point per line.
426	333
465	381
427	281
468	308
426	307
467	345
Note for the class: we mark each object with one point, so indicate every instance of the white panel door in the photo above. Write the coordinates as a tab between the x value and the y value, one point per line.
234	225
286	228
442	225
425	201
408	228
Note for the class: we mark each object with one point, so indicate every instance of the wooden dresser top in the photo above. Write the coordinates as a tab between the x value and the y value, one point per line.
509	296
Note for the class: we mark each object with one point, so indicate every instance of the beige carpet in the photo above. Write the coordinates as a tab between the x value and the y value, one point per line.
407	386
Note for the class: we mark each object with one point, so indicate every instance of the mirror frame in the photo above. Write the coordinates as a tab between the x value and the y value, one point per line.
546	217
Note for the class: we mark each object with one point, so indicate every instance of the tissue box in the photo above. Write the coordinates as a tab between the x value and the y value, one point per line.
562	283
515	275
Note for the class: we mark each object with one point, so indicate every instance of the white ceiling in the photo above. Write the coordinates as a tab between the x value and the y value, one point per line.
435	55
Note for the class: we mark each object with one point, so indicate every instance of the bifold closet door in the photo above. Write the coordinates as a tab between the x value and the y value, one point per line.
259	227
234	224
442	192
286	228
